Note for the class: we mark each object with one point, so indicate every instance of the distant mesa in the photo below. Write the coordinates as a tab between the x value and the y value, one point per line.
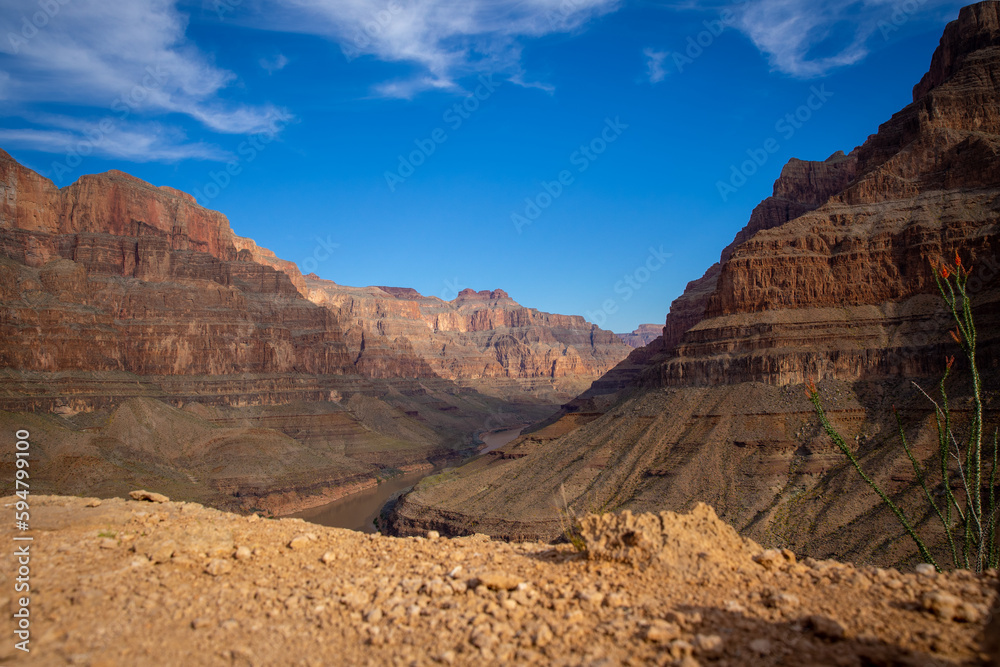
643	336
402	292
495	295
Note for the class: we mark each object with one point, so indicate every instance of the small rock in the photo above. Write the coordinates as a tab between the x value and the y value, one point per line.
680	649
433	535
926	569
783	601
498	581
148	496
200	622
543	635
299	542
374	616
761	646
709	645
328	557
661	632
826	627
217	567
108	543
243	553
941	604
93	502
771	559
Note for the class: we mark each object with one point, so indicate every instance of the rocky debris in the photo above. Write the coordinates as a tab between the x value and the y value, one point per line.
678	541
149	496
992	633
951	608
369	599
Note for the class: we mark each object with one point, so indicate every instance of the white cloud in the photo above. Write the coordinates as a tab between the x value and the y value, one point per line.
654	64
446	39
151	143
805	38
275	64
124	59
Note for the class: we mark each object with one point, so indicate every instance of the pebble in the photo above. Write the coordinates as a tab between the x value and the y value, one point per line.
498	581
761	647
148	496
826	627
662	632
217	567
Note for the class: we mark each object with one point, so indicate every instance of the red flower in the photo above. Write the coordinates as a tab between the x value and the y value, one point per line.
958	260
951	361
956	335
811	388
944	271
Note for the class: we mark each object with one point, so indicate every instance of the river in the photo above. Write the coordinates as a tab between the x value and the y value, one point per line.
359	510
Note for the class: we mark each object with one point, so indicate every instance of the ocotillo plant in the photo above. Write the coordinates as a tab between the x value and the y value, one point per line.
969	519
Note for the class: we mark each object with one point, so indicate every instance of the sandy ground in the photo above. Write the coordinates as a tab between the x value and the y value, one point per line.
128	582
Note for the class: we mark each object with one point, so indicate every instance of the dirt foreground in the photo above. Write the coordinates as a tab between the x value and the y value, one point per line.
119	582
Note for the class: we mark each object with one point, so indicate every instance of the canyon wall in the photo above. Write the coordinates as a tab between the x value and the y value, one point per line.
121	298
831	280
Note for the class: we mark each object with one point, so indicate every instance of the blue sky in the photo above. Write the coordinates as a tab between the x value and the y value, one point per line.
567	151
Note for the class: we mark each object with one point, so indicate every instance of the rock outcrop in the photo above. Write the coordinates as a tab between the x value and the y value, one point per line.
831	279
121	298
643	336
216	587
483	340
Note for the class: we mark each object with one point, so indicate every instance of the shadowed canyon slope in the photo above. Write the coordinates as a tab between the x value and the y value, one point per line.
128	311
830	280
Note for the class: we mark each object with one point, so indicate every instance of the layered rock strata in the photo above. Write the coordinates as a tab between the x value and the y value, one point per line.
830	280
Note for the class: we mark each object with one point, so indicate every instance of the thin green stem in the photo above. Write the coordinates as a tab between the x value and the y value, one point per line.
839	441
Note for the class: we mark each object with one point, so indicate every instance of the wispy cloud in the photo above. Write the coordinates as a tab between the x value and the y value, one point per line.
446	39
654	64
147	143
805	38
124	58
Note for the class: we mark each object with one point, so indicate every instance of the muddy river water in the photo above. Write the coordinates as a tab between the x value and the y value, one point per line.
358	511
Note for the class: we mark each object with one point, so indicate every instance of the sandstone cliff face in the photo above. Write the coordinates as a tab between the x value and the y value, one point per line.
114	291
482	339
830	280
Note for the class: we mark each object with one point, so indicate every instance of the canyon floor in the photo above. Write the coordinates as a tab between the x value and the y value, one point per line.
126	582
